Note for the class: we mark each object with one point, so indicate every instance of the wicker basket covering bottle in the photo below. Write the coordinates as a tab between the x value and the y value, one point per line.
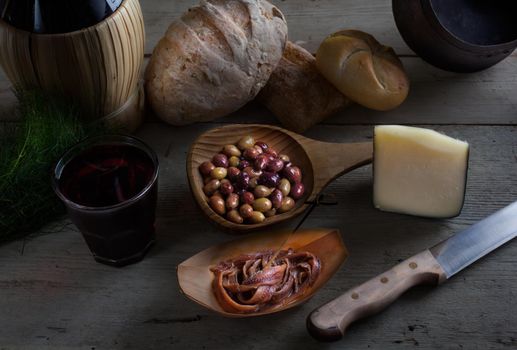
98	66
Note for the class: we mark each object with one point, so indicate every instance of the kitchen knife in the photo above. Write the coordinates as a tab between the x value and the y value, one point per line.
432	266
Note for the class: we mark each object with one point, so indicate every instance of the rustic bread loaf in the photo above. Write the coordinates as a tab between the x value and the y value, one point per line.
214	59
364	70
297	94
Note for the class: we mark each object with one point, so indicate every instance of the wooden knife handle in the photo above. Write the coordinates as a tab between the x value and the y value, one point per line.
329	322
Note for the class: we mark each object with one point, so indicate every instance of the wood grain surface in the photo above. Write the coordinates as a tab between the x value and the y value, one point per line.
53	295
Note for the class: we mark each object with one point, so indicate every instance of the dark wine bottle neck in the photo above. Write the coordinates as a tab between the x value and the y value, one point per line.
56	16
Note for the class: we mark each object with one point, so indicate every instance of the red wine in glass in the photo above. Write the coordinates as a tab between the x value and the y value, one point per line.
109	186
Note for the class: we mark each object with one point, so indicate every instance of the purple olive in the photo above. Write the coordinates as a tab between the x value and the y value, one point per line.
252	172
261	162
293	174
220	160
206	167
272	152
226	187
244	164
269	179
247	198
275	165
297	190
276	198
243	180
251	153
233	173
262	145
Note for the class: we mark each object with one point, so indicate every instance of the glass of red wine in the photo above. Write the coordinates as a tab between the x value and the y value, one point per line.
109	187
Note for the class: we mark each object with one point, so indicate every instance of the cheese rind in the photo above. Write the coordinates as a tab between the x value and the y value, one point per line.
419	171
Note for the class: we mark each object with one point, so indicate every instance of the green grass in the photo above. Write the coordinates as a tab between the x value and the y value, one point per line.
28	151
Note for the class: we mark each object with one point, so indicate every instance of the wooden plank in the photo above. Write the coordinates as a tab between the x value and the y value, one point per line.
55	295
436	97
309	21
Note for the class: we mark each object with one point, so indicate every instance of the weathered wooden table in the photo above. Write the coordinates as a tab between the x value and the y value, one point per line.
55	296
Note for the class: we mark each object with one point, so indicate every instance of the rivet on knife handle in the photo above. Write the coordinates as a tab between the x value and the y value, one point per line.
329	322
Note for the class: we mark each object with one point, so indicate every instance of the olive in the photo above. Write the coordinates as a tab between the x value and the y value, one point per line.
231	150
276	198
211	187
233	216
217	194
243	164
293	174
261	162
242	181
253	182
232	201
252	172
259	149
264	146
262	205
246	142
206	167
285	187
272	152
220	160
233	173
270	213
262	191
217	204
226	187
246	211
287	204
251	154
297	190
207	180
247	198
257	217
219	173
269	179
234	161
275	165
284	158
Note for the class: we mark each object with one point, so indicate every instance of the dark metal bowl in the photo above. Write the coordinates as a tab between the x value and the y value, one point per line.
459	35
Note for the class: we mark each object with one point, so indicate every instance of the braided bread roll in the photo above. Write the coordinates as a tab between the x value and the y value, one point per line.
214	59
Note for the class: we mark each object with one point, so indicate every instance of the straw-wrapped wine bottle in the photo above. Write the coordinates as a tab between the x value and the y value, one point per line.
88	50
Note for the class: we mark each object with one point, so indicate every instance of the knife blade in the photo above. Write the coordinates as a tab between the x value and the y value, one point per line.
432	266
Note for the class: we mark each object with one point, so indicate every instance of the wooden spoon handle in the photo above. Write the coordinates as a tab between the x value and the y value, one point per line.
331	160
329	322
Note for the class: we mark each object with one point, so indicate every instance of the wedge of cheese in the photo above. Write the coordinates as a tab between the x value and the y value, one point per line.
419	171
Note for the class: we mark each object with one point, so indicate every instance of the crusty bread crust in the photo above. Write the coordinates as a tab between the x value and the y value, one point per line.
298	94
214	59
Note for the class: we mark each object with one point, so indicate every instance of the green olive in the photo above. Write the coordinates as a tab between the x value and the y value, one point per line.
285	187
233	216
262	191
234	161
270	213
257	217
287	204
231	150
284	158
253	182
219	173
262	205
246	142
246	210
217	204
212	186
